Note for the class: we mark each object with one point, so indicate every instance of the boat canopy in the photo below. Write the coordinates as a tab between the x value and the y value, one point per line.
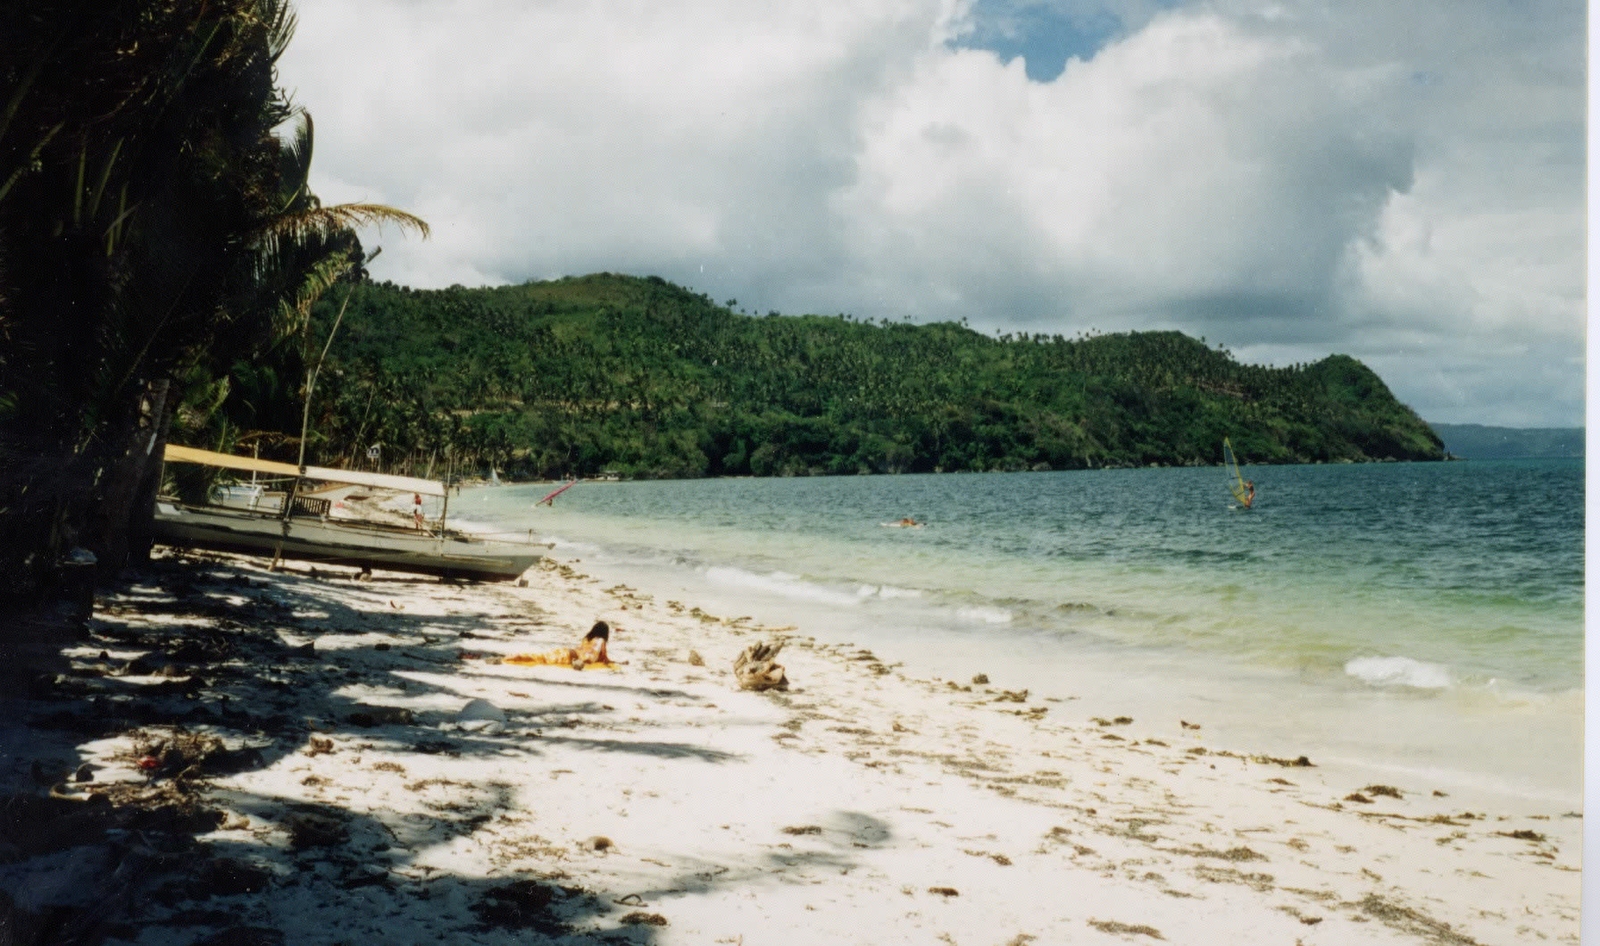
406	484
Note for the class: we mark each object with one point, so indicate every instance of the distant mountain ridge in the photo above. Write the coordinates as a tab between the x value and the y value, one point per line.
1480	442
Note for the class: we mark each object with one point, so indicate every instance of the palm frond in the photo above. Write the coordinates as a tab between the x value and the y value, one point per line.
294	314
280	20
299	227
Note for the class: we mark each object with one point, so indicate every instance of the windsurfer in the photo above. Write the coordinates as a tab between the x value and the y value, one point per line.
1250	497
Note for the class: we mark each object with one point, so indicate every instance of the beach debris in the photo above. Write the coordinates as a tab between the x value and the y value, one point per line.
599	844
803	829
1412	922
1188	725
319	746
369	716
1387	791
641	918
1012	696
521	904
980	679
1358	798
1299	762
1113	927
187	755
945	891
480	716
310	829
756	668
695	660
1231	854
1523	835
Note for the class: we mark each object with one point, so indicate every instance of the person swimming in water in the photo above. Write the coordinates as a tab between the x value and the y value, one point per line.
591	650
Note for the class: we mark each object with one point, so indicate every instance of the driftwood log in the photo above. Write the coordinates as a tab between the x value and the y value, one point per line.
757	668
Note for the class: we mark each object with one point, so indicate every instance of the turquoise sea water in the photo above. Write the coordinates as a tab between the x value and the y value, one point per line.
1421	616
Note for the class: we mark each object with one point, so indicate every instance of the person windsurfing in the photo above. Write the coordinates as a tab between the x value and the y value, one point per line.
1244	491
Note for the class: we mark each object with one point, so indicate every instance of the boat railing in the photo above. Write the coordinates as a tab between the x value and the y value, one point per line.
311	506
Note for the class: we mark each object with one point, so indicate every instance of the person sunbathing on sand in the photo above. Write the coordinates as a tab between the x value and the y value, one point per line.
590	652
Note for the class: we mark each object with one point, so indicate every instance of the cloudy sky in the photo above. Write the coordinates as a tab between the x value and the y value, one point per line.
1401	182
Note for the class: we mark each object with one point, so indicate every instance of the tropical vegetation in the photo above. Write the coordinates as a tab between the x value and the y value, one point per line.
155	231
638	376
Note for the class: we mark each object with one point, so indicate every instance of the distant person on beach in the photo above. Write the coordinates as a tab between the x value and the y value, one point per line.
1250	497
908	521
591	651
416	510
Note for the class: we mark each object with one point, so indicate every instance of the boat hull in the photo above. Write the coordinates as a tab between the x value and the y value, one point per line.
339	543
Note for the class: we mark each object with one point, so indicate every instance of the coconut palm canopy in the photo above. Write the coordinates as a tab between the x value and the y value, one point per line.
154	226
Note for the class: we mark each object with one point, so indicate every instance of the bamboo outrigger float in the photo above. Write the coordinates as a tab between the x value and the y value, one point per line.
300	526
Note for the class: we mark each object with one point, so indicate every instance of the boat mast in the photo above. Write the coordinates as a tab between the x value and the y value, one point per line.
449	466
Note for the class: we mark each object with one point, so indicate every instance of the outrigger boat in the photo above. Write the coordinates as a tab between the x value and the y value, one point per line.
298	524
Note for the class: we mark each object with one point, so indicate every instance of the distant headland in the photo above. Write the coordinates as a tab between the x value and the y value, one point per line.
644	378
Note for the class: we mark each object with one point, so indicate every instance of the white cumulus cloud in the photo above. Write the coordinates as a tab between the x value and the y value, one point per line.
1400	182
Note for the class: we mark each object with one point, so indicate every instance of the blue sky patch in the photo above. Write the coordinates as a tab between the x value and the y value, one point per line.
1042	34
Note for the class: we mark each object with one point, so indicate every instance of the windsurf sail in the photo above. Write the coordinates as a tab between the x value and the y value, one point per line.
1235	480
550	500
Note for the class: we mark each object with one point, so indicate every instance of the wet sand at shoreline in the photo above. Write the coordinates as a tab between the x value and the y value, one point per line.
299	757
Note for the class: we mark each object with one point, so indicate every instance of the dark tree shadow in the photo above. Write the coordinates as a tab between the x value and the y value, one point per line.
229	679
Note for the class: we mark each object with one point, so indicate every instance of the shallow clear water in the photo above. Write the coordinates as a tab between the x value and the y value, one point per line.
1423	616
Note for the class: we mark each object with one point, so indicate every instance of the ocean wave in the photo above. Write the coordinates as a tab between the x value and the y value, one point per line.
1399	671
778	583
477	527
886	592
985	615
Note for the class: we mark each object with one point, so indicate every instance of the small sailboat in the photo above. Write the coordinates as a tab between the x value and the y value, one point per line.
1243	490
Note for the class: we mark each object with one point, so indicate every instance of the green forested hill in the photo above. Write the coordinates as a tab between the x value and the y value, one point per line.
646	378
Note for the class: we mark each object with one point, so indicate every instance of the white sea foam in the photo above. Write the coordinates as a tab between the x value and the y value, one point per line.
782	584
1399	671
478	527
886	592
985	615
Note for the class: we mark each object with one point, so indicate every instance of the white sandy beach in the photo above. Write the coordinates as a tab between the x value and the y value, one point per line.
657	803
